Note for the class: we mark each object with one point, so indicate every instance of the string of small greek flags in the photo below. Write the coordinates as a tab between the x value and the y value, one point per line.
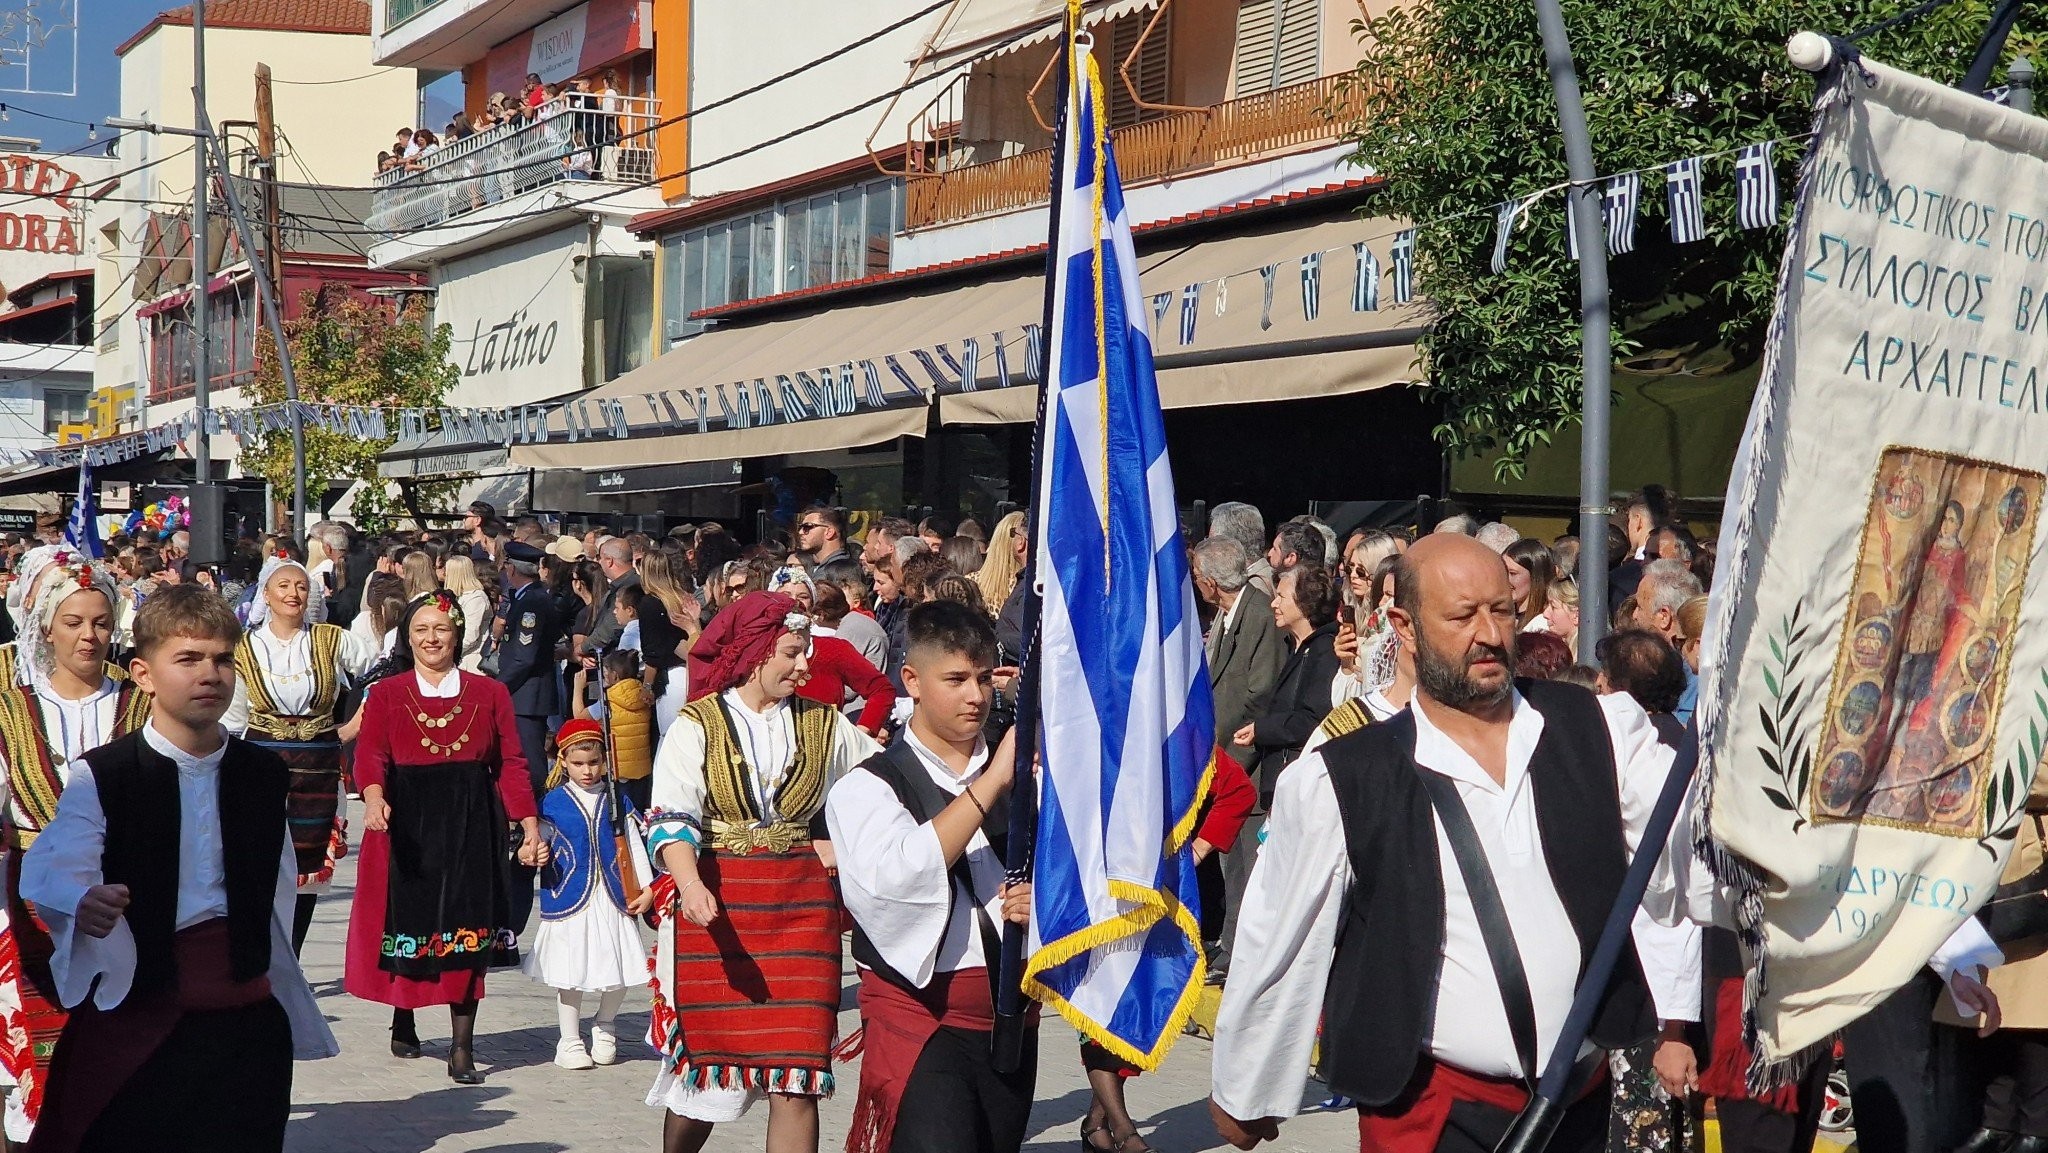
920	374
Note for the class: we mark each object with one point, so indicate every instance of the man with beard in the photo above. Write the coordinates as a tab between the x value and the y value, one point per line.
1431	887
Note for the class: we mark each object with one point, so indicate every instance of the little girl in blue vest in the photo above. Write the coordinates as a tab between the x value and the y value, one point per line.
589	940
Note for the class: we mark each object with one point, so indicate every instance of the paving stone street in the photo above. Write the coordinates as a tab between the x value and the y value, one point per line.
365	1101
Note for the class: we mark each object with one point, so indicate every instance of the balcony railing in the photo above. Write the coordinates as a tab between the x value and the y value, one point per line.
566	142
1171	145
397	12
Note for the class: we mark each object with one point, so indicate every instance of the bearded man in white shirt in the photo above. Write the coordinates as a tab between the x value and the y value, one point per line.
1431	887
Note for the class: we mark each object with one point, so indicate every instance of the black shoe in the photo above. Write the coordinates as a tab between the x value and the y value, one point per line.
1999	1141
462	1068
405	1047
2025	1143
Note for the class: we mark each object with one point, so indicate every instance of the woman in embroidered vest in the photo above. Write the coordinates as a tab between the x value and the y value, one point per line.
752	922
439	763
70	703
289	677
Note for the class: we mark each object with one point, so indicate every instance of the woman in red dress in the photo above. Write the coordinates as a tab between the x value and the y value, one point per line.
439	764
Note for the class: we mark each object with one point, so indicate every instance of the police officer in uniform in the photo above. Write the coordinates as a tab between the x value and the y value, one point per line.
527	632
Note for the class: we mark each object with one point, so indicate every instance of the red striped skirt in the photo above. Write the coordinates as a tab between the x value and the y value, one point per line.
752	1000
32	1024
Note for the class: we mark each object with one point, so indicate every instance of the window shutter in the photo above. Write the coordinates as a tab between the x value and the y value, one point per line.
1148	72
1279	43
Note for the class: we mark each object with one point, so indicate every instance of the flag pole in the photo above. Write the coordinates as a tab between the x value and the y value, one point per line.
1007	1041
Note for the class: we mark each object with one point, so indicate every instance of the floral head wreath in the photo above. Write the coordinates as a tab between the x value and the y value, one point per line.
69	572
441	601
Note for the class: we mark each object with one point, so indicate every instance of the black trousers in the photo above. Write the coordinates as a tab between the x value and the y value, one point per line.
1747	1127
955	1102
1907	1075
221	1083
1476	1128
533	743
1237	872
2014	1064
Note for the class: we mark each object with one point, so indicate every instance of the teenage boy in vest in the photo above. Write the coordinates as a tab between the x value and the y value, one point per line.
1438	984
168	883
919	832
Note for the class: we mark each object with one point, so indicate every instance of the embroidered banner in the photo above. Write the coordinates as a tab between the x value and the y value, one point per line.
1874	703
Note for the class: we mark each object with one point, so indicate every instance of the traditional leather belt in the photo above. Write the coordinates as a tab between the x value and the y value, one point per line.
291	728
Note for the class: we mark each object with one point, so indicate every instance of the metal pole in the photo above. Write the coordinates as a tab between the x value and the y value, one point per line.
202	465
272	306
1595	348
2019	80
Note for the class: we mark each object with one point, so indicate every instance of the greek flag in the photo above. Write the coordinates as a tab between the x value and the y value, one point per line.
1127	729
1756	187
1365	286
1505	219
1311	285
1682	196
83	530
876	398
1404	266
1620	202
1190	304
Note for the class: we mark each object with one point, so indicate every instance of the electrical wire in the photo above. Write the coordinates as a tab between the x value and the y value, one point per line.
343	80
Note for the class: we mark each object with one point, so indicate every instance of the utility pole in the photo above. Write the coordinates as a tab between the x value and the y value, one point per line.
266	164
208	511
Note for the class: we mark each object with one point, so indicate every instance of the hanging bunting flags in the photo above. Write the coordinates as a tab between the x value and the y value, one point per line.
1190	307
1365	285
901	374
1619	204
1034	352
970	363
1002	362
1222	294
1161	302
875	397
1682	199
1756	187
1404	266
1311	285
1266	296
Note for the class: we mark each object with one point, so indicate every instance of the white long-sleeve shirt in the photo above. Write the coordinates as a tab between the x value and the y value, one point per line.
287	670
893	874
66	861
1293	907
73	728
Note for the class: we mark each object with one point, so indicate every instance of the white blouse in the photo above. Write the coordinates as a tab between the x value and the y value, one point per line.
72	728
767	740
287	670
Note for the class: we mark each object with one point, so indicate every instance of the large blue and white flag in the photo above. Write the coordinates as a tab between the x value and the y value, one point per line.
82	531
1127	729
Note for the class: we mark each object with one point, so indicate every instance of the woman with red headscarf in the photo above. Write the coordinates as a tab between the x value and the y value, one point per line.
752	923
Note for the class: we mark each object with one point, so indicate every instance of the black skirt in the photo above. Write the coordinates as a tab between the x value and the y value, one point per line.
448	906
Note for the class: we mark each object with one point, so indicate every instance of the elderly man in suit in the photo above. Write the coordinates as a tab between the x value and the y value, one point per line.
1246	653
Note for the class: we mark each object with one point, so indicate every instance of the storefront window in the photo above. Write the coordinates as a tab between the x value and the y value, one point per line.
63	406
621	314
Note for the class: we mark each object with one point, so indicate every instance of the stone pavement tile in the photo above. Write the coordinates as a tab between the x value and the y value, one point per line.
366	1101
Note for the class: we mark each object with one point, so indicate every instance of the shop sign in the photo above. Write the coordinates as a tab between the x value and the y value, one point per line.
50	220
661	477
517	318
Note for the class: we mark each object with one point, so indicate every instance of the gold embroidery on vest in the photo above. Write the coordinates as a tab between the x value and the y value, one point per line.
265	718
1346	719
729	812
804	793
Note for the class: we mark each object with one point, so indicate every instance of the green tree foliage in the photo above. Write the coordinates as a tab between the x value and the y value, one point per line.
347	349
1461	117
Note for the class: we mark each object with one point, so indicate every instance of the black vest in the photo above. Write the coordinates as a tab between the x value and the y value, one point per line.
1382	991
899	767
138	789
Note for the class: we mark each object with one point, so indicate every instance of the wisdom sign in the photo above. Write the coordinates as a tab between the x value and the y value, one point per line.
1875	698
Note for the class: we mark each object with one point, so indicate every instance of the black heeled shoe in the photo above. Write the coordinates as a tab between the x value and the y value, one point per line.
402	1048
405	1034
462	1067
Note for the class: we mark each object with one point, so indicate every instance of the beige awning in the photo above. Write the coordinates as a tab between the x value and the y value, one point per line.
973	28
1234	358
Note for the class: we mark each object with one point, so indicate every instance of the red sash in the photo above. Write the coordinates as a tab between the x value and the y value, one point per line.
1415	1123
896	1024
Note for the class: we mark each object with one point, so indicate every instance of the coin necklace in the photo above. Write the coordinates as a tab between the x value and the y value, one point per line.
432	729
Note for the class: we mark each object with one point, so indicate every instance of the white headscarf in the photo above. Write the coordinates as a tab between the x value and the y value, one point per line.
259	609
76	572
32	565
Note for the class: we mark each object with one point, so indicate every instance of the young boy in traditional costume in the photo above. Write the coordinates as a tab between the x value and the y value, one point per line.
70	701
589	937
752	930
919	832
168	883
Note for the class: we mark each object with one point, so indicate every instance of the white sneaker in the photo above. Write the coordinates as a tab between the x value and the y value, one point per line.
570	1054
604	1044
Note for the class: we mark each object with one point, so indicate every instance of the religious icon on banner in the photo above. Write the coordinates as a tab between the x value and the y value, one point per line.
1922	665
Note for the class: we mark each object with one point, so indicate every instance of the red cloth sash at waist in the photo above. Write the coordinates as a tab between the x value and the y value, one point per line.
101	1049
1415	1122
896	1024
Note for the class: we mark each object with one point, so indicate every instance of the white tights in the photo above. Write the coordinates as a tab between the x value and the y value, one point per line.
569	1009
